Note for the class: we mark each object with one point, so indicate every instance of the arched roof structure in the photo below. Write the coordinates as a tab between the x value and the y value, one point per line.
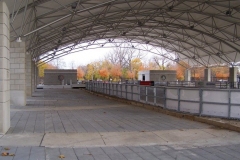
200	32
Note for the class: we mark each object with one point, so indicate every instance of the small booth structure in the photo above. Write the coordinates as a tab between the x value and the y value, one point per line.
157	75
60	76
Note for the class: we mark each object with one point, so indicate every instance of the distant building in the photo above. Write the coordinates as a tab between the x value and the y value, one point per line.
157	75
60	76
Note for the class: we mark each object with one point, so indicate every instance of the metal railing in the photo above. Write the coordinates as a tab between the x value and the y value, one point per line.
198	101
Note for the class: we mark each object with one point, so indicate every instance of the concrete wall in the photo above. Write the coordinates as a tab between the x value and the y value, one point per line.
51	76
28	75
17	74
199	101
163	75
158	75
33	72
4	69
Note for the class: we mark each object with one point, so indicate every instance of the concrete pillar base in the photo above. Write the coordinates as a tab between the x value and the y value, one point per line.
207	75
233	77
28	75
18	97
18	74
187	75
4	69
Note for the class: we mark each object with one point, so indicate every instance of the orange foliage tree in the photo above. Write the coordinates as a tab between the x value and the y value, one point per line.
130	75
220	72
116	72
80	73
104	73
180	68
44	66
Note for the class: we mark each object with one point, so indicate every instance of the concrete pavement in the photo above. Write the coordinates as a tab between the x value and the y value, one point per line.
80	125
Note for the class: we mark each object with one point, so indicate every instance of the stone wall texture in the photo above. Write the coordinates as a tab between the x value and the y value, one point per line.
18	73
4	69
51	76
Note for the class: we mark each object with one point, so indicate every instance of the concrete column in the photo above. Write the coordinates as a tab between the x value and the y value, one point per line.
233	74
36	76
4	69
187	76
28	75
207	75
17	74
33	77
233	77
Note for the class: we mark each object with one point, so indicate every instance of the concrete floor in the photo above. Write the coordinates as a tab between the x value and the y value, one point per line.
83	126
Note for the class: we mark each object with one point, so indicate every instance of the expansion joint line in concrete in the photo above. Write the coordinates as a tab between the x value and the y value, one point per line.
103	139
42	140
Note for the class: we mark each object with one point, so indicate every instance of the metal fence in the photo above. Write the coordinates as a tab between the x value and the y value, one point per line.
199	101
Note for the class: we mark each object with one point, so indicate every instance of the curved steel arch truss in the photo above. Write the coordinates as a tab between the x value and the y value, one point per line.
199	32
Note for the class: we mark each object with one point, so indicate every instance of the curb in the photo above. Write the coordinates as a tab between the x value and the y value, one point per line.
207	120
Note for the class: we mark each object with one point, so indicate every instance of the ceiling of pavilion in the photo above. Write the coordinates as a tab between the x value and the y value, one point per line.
200	32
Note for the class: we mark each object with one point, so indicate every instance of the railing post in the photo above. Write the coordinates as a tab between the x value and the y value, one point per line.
200	102
121	90
229	103
146	92
126	88
179	92
155	95
131	92
165	97
139	93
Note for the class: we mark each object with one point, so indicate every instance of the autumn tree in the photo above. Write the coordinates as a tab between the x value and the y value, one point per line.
136	66
180	68
116	72
58	63
80	73
44	66
220	72
104	74
161	62
150	65
123	55
92	70
72	65
130	75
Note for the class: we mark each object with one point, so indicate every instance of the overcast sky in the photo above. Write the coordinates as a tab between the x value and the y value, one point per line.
87	56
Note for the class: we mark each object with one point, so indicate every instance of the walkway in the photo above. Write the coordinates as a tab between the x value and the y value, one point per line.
80	126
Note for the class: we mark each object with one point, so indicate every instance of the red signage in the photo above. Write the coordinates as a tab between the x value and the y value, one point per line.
147	83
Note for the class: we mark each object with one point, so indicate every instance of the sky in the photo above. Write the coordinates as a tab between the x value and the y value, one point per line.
87	56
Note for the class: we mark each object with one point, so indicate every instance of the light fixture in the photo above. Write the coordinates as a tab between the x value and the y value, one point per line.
228	12
140	23
170	8
124	33
19	39
218	54
74	5
176	60
64	29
